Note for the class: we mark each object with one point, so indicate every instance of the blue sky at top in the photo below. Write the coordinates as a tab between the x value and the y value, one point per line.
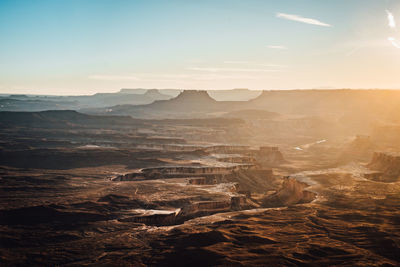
82	46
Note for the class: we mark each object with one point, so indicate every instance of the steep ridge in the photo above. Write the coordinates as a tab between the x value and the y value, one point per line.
187	100
346	107
189	103
41	103
291	192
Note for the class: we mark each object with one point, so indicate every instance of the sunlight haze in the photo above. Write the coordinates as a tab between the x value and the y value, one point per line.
83	47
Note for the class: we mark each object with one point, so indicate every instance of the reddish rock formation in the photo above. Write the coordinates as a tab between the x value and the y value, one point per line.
205	208
178	171
253	180
291	192
188	100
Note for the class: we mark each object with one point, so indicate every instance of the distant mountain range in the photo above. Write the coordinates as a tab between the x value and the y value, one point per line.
138	96
347	105
170	92
40	103
188	104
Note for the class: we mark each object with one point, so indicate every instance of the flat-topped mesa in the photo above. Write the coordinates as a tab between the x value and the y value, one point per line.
188	101
191	210
291	192
182	171
194	94
388	163
194	97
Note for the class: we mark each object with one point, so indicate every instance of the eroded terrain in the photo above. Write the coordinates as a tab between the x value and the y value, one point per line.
90	190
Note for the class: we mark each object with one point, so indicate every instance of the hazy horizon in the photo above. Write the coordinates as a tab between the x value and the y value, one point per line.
199	133
194	89
84	47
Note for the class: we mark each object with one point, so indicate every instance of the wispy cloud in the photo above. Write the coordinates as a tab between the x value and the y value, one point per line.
252	63
213	69
236	62
277	46
391	21
302	19
214	77
271	65
394	42
392	24
114	77
171	77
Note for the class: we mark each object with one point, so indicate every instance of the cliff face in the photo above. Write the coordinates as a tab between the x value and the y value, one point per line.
181	171
188	100
386	163
253	180
205	207
291	192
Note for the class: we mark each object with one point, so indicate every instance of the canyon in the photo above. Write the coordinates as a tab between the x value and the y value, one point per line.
242	180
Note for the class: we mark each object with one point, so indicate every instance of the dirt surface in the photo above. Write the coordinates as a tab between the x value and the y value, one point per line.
177	193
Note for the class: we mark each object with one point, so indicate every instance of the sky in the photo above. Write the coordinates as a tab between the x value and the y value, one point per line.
88	46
